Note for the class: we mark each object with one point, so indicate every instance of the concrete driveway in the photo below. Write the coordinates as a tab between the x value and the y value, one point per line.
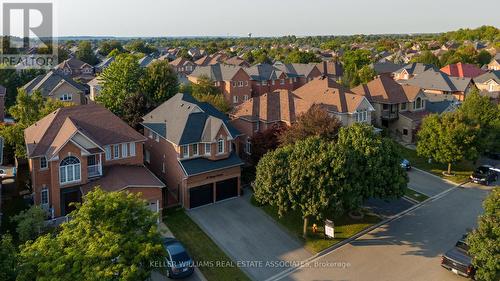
247	234
408	248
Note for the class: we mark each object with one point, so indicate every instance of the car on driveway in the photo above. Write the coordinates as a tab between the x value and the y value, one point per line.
484	174
458	260
405	164
178	264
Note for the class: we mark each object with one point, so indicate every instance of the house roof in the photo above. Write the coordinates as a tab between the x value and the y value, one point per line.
105	63
330	95
462	70
72	63
119	177
439	106
385	67
52	131
203	165
330	68
415	115
296	69
216	72
146	61
180	61
187	120
263	72
438	80
491	75
416	68
48	82
236	61
280	105
384	89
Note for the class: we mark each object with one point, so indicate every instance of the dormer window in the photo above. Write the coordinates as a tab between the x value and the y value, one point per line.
184	151
418	103
208	148
220	146
195	149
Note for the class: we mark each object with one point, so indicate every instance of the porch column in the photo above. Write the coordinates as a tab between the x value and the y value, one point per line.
100	164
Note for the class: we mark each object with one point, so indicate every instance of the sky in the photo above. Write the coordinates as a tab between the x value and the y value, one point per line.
158	18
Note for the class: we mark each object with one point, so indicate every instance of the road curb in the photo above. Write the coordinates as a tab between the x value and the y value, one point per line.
287	272
446	180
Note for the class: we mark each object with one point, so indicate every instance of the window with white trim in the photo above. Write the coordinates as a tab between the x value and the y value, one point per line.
282	81
235	99
273	82
44	198
66	97
116	151
147	156
107	149
220	146
124	149
245	97
240	83
43	162
248	146
264	83
208	148
234	83
184	151
195	149
132	149
418	103
69	170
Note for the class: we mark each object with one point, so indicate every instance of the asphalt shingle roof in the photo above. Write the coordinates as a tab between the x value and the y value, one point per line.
203	165
46	83
437	80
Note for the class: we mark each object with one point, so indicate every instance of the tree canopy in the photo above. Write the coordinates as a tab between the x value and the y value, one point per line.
111	236
85	53
204	90
159	83
484	241
301	57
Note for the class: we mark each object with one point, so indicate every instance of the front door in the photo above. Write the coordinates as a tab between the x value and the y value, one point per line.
68	196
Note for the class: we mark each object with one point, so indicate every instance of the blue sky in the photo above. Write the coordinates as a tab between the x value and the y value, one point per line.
269	17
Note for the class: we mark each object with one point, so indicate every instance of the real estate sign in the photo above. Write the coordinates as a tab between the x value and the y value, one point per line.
329	229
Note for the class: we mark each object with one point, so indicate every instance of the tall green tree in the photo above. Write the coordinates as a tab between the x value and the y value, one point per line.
366	74
484	241
447	139
482	112
204	90
159	83
111	236
105	47
119	81
30	223
483	57
29	108
85	53
297	56
427	57
8	259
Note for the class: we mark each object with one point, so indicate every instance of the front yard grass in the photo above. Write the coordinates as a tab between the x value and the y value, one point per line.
461	170
344	226
201	247
419	197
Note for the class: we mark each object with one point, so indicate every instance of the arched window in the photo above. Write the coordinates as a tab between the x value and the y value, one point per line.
69	170
418	103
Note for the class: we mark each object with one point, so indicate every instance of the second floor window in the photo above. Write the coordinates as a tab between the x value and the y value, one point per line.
418	103
43	162
235	99
240	83
125	149
69	170
66	97
184	151
282	81
116	151
220	146
195	149
208	149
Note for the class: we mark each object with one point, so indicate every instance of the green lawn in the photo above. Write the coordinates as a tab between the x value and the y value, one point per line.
345	227
201	247
415	195
461	170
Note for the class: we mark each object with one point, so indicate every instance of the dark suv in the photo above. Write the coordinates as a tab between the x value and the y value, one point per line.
484	175
458	260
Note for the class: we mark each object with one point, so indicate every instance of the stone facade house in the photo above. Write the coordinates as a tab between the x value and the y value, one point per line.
194	149
399	108
71	150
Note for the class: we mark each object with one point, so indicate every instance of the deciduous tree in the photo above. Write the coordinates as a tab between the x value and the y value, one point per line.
159	83
85	53
8	260
30	223
204	90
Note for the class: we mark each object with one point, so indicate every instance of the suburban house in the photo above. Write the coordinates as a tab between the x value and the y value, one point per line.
300	73
71	150
462	70
99	68
386	67
494	63
489	84
438	86
231	80
284	106
331	69
210	59
95	87
76	69
3	95
399	108
411	70
237	61
194	149
182	66
57	86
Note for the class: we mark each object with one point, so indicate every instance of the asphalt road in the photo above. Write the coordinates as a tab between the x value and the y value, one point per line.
407	248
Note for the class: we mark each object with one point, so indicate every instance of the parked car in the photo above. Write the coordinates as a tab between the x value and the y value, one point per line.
457	259
484	174
405	164
179	264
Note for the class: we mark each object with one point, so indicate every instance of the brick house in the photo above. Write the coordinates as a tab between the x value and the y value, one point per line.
399	108
76	69
71	150
193	148
411	70
284	106
183	66
267	78
231	80
59	87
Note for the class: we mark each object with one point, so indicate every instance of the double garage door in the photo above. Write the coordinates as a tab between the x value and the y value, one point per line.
204	194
